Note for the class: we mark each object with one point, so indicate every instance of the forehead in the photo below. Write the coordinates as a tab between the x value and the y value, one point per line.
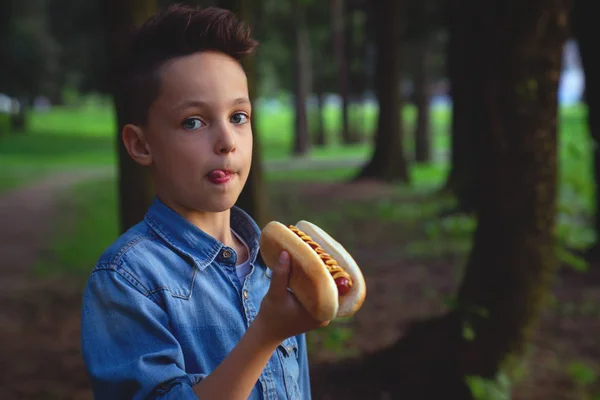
207	76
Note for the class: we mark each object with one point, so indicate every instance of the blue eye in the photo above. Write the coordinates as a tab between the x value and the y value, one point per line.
239	118
192	124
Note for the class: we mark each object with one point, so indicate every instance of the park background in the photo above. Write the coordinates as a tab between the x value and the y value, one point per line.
449	145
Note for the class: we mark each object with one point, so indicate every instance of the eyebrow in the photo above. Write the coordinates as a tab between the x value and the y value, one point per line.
200	103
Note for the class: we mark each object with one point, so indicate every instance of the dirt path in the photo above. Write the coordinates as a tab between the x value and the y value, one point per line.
28	217
38	347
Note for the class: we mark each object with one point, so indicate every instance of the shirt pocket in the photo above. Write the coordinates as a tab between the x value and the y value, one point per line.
288	356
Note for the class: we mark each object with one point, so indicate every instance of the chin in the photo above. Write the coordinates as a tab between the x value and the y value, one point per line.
214	200
219	204
219	208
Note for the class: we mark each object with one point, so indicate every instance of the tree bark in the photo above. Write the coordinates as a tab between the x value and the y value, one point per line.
320	137
467	82
339	49
355	79
388	162
584	30
512	263
421	98
136	190
301	68
6	16
518	202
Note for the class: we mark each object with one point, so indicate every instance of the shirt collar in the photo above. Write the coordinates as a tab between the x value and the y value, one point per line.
196	244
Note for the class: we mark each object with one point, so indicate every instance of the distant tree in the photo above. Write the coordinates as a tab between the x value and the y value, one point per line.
359	39
512	262
340	51
135	185
324	69
278	55
422	98
275	74
302	71
5	18
322	76
387	162
28	55
82	64
423	22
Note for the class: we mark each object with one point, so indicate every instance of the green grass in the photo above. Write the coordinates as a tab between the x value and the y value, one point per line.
90	228
85	121
23	175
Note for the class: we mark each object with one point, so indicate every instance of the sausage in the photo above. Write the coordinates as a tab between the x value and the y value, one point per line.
342	279
343	285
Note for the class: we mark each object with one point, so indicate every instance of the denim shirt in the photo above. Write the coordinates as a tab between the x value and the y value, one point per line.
163	307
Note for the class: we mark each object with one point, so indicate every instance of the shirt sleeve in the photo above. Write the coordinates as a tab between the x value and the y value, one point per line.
128	349
304	378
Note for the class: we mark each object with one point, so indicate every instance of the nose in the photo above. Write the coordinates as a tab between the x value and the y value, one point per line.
225	141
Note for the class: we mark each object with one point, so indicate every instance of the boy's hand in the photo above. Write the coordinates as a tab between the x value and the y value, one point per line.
281	314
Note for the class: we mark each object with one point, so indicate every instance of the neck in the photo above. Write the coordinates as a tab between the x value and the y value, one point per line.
215	224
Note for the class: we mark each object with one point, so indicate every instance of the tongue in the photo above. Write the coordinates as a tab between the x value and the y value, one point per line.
217	175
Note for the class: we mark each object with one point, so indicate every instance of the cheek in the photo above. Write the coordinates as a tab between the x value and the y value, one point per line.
174	156
247	143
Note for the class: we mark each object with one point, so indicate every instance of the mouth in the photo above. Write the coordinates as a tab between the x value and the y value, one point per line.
219	176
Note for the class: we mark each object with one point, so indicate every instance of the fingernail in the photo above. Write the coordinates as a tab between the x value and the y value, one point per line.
283	257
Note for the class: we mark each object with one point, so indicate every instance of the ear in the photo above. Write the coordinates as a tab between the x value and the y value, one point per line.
136	145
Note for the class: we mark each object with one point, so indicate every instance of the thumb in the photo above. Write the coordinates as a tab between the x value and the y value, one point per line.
281	273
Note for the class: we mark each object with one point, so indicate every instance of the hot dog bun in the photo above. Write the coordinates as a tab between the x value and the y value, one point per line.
310	280
351	302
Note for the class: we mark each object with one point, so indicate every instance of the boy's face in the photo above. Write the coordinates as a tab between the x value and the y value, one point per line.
198	137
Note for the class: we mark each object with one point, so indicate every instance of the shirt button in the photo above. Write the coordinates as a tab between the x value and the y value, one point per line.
226	253
246	294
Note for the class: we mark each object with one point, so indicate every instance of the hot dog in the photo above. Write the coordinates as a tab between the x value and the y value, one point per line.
325	278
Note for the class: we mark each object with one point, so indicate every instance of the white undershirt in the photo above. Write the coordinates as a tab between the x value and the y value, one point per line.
242	270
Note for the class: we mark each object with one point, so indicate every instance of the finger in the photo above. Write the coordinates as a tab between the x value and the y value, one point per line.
281	274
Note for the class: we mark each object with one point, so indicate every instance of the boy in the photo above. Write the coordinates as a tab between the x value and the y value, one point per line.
182	306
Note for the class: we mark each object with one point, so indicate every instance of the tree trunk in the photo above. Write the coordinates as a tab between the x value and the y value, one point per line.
18	120
512	262
254	198
584	29
355	85
518	203
320	137
301	69
6	16
467	79
339	49
136	190
421	98
388	161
